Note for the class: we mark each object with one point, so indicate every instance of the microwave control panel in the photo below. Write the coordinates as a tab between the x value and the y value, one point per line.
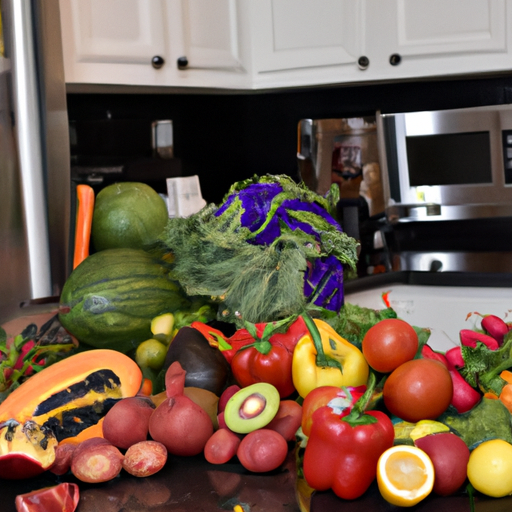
507	155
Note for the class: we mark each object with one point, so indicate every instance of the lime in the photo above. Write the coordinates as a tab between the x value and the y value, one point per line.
151	354
128	215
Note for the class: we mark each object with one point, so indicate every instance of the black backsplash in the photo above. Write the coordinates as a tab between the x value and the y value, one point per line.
225	137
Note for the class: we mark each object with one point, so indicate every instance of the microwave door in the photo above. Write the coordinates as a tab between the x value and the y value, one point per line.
447	164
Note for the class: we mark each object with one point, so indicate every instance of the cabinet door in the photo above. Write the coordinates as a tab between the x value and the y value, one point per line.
295	34
208	32
417	38
115	41
116	31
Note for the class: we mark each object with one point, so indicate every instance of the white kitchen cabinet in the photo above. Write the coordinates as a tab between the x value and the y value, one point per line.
151	42
426	38
307	42
257	44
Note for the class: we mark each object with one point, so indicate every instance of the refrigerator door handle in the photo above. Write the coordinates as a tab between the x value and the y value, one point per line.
27	119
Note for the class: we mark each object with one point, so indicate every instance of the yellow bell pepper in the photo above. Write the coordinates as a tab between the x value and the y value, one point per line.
324	358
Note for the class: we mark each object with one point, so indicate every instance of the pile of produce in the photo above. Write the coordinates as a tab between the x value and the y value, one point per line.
228	337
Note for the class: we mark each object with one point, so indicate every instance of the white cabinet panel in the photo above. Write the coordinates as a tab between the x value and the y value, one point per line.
438	37
428	26
292	34
117	31
436	27
210	33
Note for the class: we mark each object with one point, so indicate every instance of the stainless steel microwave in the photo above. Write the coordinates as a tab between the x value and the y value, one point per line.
447	164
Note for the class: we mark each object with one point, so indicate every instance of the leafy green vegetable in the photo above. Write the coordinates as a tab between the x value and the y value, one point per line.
272	249
482	367
354	321
489	419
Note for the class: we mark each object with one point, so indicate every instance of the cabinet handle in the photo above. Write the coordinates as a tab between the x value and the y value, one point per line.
182	62
363	62
157	62
395	59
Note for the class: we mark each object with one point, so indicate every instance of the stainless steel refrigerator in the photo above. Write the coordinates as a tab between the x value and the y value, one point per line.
35	190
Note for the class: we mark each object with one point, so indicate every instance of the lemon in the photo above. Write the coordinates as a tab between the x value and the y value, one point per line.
490	468
151	354
405	475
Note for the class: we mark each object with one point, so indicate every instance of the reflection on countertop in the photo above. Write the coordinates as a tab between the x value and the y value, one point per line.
186	483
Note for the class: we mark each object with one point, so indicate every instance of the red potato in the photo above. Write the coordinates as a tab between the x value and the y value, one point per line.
221	447
287	420
96	461
226	395
145	458
89	443
221	421
262	450
63	457
222	425
127	422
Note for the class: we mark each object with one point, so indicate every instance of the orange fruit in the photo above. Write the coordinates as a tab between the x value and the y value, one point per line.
405	475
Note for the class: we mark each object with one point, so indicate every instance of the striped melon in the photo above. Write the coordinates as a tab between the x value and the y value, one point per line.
109	300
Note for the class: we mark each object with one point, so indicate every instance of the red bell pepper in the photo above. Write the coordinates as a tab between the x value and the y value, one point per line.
227	345
339	399
342	452
268	358
215	337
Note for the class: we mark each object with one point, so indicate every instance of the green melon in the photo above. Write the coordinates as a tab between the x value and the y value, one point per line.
127	214
109	300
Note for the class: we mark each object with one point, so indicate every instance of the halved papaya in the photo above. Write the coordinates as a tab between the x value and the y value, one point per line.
62	403
26	450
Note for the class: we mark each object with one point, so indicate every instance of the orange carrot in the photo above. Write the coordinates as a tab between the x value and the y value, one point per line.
506	375
85	209
506	396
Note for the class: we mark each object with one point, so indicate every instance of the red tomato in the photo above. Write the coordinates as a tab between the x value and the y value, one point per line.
420	389
324	395
388	344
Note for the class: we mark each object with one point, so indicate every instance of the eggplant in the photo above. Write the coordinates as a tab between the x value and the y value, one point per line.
205	365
